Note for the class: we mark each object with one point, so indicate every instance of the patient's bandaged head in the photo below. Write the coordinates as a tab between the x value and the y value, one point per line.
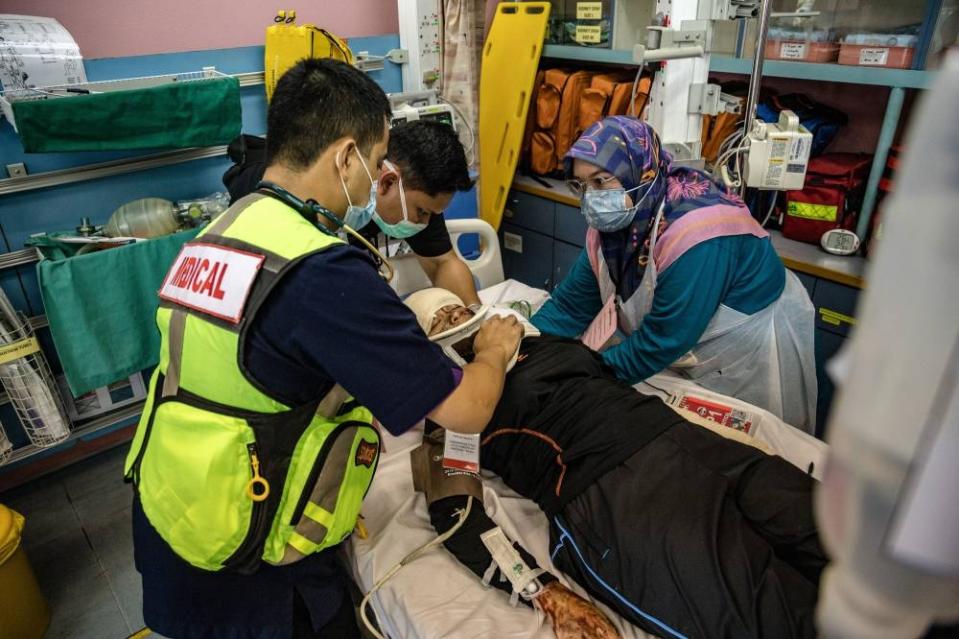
456	335
456	341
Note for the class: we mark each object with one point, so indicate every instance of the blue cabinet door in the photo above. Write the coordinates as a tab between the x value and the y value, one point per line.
570	225
835	307
527	256
564	256
529	212
828	344
808	282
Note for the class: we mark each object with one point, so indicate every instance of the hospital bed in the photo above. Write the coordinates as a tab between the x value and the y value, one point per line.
434	596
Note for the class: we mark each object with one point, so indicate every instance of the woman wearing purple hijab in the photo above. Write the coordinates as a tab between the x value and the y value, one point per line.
680	267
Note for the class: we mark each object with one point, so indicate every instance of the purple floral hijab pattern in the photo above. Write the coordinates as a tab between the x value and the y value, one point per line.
630	149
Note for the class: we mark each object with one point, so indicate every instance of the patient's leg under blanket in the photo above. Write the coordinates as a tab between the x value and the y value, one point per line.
697	536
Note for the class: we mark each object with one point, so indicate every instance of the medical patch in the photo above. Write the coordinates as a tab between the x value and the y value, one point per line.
212	279
365	454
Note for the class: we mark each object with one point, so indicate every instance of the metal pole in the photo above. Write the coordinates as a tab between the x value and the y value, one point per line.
890	123
755	79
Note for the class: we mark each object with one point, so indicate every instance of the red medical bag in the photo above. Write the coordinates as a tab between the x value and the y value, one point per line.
830	199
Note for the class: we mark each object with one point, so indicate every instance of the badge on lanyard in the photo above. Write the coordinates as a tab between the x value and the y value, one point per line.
603	327
461	452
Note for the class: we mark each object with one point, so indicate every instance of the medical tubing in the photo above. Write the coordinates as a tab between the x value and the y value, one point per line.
772	207
407	559
632	96
565	536
469	127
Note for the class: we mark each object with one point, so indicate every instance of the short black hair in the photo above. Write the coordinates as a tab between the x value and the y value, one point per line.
317	102
430	157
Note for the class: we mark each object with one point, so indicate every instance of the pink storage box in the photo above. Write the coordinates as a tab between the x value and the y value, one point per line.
801	51
875	56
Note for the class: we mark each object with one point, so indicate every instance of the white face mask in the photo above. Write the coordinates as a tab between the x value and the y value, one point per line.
404	228
357	217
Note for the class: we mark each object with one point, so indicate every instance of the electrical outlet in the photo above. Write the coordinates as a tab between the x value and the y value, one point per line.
16	170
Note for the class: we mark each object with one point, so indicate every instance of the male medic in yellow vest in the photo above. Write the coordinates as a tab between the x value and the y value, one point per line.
279	343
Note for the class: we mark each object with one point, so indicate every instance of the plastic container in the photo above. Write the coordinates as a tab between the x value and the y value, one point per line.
805	35
801	50
24	613
893	49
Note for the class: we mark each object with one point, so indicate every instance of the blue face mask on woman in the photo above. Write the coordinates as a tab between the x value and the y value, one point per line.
606	210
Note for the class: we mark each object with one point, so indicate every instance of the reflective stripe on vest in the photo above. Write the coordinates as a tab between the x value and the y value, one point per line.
212	438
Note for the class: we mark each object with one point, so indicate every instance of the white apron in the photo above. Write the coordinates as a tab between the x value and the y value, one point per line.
766	359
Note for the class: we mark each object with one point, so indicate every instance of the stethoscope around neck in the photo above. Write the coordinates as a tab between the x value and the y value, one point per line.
311	208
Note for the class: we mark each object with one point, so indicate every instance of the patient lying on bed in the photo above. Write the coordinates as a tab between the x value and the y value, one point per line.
681	531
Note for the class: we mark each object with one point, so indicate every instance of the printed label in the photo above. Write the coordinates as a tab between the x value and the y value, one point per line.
212	279
589	10
716	412
461	452
513	242
792	51
16	350
874	57
587	34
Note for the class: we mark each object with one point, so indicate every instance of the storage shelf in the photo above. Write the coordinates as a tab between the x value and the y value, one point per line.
807	258
111	420
846	74
588	54
905	78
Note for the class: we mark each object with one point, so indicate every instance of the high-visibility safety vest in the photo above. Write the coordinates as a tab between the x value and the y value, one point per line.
226	473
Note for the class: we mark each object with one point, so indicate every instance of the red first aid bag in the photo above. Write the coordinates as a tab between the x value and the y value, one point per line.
831	198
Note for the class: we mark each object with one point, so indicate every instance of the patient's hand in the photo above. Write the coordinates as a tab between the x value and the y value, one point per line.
571	616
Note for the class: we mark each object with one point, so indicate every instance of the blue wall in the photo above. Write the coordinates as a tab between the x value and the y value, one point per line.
60	208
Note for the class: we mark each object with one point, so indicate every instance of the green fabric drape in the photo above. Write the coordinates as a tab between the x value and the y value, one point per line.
102	309
172	115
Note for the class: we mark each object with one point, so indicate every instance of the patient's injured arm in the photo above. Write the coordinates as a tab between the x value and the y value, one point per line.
480	545
467	546
447	492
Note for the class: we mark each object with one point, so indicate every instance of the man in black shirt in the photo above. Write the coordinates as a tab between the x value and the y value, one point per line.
425	166
683	532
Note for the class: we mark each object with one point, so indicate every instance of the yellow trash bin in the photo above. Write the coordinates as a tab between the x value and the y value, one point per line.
24	613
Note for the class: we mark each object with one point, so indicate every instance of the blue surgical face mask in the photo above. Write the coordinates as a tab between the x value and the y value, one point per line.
359	216
356	217
404	228
605	209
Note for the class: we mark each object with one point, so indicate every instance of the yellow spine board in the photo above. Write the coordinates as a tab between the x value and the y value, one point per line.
510	59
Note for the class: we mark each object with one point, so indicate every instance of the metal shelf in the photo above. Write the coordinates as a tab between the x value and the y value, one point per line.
588	54
845	74
101	423
904	78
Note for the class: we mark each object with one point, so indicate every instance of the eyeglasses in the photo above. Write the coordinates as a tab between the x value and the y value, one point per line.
596	183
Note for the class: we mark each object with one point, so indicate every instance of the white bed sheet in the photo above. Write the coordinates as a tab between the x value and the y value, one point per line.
435	596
